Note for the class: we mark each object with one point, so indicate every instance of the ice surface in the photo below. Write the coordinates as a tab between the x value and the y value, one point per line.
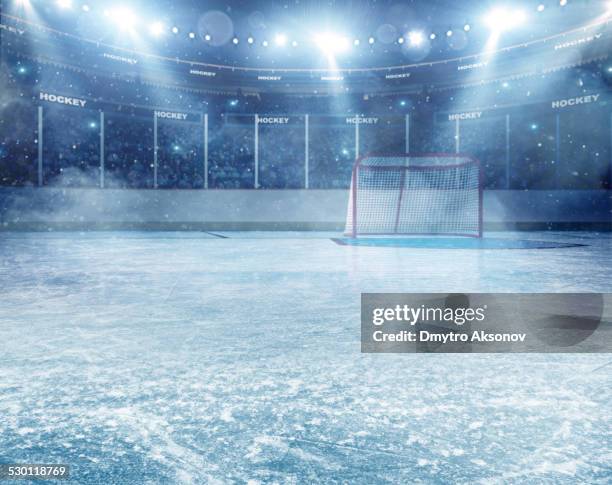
170	357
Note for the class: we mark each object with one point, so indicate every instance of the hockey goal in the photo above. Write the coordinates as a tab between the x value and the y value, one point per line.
433	194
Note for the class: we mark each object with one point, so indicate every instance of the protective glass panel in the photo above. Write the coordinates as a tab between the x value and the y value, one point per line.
231	152
281	152
489	150
533	163
18	144
332	151
71	147
382	134
585	148
180	154
129	159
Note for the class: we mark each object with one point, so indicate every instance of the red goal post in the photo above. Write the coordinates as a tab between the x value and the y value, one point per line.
415	194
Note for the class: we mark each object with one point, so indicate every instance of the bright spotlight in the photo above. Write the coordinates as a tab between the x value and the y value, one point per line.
356	42
235	41
23	3
85	8
449	33
294	43
371	40
416	38
432	36
207	37
563	3
332	43
265	43
64	3
175	30
192	35
467	27
500	20
124	18
250	40
400	40
541	7
156	29
280	39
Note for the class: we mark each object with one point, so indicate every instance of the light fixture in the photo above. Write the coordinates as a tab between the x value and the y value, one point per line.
280	40
123	17
235	41
192	35
371	40
175	30
250	40
416	38
156	29
467	27
501	19
331	43
64	3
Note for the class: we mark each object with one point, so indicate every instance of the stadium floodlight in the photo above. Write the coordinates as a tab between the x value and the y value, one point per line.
64	4
123	17
501	19
332	43
280	40
156	29
415	38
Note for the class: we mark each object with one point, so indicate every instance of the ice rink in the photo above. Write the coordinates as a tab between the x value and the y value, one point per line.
142	357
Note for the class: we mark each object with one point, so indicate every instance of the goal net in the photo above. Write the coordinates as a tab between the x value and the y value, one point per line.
439	194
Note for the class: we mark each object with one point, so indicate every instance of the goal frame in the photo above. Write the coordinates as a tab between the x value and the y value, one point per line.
469	160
